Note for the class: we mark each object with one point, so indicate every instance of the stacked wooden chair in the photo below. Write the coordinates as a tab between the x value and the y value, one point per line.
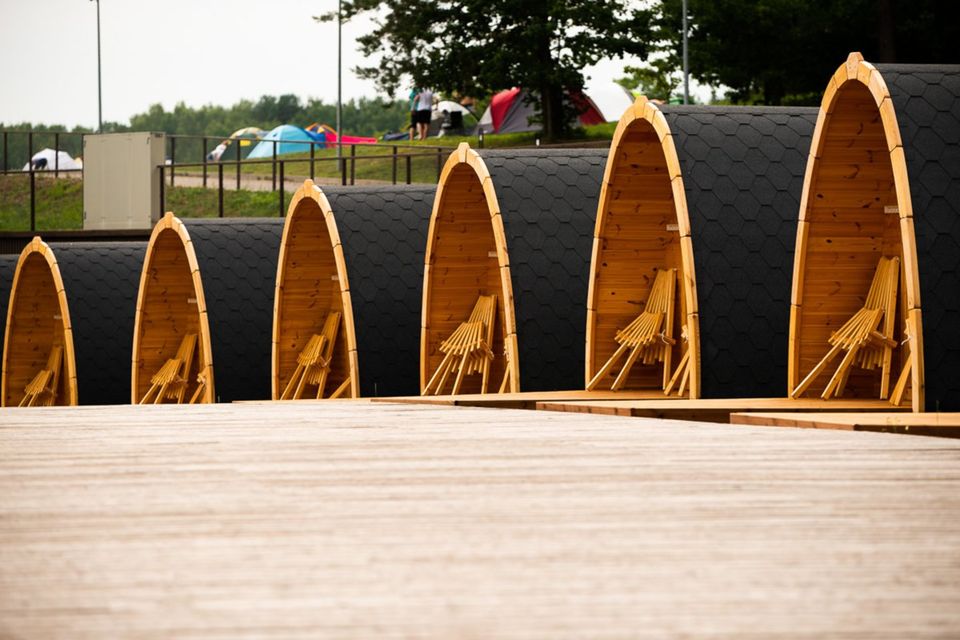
42	390
648	338
313	363
866	338
468	349
171	380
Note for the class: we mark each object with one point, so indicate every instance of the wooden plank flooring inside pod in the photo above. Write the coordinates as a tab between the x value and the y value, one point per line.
346	519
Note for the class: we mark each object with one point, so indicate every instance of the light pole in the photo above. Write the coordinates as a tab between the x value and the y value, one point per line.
686	60
339	87
99	85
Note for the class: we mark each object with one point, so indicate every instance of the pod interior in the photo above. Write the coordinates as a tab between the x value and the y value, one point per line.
311	283
38	319
171	305
642	227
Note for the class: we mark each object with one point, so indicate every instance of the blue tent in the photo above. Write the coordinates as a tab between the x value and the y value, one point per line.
290	140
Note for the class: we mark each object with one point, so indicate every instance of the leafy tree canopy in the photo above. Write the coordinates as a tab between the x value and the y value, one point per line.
784	51
477	47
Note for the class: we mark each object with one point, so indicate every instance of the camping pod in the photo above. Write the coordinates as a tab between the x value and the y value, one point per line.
206	292
882	181
71	314
515	225
8	265
709	194
351	262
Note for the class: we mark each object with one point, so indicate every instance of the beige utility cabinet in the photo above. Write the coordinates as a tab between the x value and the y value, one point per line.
121	182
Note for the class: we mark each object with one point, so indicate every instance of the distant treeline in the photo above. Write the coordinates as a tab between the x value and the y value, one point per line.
365	117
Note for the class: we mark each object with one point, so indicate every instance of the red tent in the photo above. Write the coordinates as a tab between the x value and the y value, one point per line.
508	112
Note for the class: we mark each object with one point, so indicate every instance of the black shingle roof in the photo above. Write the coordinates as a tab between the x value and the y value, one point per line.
238	267
926	99
383	231
743	176
548	201
8	265
101	281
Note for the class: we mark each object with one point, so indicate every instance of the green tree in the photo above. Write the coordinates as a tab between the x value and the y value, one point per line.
476	47
784	51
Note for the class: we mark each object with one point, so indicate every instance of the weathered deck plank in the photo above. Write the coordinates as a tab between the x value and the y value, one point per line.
343	519
943	425
711	410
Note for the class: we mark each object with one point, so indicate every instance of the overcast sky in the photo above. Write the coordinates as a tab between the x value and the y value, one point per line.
167	51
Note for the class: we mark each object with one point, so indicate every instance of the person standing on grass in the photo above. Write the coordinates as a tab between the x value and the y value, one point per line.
424	105
414	94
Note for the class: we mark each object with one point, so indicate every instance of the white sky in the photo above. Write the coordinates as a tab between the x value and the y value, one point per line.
167	51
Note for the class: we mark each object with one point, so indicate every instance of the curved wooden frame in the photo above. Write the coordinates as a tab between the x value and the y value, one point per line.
469	168
38	252
643	115
856	74
171	227
307	200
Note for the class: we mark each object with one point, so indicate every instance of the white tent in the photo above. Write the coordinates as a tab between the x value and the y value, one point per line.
65	161
611	99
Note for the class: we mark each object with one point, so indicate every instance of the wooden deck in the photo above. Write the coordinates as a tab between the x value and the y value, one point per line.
526	399
943	425
717	410
347	519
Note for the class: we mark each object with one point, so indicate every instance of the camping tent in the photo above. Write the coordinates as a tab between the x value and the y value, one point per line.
247	135
328	133
510	112
289	139
609	97
66	161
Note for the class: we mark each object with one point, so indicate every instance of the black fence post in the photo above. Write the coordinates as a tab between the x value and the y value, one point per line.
33	201
353	164
343	170
281	189
409	168
30	149
163	193
204	142
274	165
394	164
56	155
173	158
439	162
4	151
313	149
238	164
220	189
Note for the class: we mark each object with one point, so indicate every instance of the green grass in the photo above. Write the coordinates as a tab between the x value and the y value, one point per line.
59	203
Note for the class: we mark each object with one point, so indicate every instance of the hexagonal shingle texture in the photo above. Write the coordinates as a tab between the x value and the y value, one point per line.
8	266
383	231
102	281
743	175
926	99
238	267
548	199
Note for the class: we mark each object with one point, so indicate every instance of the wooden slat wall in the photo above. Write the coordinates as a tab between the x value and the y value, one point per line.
848	231
309	290
638	234
35	324
464	266
168	308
